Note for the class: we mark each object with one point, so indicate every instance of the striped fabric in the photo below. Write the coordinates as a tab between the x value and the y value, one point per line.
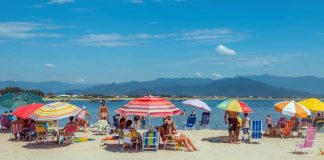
150	139
293	109
55	111
235	105
154	106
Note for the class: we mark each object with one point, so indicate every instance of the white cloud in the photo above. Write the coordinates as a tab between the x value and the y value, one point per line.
223	50
217	76
198	74
107	40
49	65
59	1
81	80
201	36
24	30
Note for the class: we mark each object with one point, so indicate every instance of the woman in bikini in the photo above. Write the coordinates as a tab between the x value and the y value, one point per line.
103	113
170	129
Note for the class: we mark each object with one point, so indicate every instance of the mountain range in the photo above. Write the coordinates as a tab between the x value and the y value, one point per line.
257	86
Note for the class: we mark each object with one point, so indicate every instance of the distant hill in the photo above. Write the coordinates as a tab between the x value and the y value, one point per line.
195	87
309	84
131	87
47	87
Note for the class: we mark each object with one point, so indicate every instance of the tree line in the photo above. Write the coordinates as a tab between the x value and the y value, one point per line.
20	90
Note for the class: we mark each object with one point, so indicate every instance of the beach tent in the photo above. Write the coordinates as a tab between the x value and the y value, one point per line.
151	106
196	103
13	100
292	109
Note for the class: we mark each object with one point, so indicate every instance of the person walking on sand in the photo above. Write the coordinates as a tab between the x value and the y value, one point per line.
81	118
103	113
230	118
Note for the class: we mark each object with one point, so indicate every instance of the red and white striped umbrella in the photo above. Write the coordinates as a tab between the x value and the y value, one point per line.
149	105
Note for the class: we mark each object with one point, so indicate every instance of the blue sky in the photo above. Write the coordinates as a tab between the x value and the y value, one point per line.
86	41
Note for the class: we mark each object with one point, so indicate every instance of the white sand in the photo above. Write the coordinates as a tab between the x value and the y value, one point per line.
210	142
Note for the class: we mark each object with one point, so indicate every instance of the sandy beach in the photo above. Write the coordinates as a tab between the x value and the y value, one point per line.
210	142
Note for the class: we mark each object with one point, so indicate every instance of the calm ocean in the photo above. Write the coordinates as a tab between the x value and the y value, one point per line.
260	107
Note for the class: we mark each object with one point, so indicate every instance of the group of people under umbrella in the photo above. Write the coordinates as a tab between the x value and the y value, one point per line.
151	106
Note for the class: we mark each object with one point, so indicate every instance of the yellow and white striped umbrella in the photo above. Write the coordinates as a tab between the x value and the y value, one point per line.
55	111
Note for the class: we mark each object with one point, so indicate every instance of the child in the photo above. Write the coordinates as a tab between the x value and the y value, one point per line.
246	127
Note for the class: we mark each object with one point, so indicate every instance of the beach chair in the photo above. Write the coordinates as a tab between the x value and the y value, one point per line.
256	132
68	133
287	130
116	123
171	143
42	135
308	143
4	123
150	140
102	127
130	138
16	128
191	121
204	120
319	125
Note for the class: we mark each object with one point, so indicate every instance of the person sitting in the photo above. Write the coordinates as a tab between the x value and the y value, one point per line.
170	129
119	129
317	118
133	135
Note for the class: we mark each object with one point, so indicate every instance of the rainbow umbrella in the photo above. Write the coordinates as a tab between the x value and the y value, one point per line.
149	105
55	111
313	104
26	110
292	108
235	105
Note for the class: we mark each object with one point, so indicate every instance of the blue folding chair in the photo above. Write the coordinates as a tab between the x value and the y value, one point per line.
191	121
256	132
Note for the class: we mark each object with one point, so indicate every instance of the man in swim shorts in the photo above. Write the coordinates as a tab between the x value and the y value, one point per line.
230	118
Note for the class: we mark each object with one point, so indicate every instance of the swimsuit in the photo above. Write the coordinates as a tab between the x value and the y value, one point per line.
232	124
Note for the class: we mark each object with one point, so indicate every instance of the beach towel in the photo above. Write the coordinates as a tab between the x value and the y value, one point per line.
82	139
151	139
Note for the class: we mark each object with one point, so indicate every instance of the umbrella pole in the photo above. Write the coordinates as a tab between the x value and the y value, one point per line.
149	118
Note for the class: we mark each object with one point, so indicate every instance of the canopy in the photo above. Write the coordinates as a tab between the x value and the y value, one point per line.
149	105
293	109
26	110
235	105
13	100
313	104
197	104
55	111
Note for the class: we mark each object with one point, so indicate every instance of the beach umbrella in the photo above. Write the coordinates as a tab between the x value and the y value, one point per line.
197	104
26	110
55	111
313	104
151	106
235	105
292	108
13	100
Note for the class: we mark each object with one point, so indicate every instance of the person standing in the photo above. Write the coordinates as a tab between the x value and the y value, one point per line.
137	119
103	113
81	118
230	118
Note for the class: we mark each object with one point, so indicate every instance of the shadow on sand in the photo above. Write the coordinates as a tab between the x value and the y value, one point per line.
49	145
220	139
117	148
